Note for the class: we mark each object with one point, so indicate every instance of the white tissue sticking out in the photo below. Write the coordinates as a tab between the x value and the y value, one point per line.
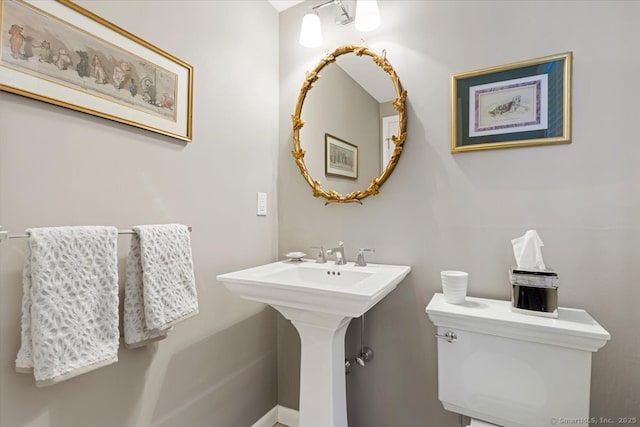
527	250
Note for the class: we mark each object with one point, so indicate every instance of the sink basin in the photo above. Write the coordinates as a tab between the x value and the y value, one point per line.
346	290
320	300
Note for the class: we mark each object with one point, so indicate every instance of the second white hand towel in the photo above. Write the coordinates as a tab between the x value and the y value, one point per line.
136	333
70	302
168	285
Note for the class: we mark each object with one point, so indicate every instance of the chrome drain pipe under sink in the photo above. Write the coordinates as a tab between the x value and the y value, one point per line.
366	354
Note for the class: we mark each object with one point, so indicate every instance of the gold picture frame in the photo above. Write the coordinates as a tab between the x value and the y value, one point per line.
520	104
399	105
60	53
341	157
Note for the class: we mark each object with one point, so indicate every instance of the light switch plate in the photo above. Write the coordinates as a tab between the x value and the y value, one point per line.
261	205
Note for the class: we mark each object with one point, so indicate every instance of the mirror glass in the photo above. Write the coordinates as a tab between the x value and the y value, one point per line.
351	124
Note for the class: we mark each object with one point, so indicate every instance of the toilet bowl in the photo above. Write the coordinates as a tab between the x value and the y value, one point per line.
513	369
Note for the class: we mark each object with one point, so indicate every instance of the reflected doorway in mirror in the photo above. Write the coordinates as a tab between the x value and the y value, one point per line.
390	125
341	157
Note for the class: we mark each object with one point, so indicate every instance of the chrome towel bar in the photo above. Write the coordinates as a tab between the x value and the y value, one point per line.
5	234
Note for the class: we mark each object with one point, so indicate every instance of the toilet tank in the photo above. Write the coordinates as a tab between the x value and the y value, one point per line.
515	369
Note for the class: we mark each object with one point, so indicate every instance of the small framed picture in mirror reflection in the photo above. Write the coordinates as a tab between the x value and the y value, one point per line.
341	157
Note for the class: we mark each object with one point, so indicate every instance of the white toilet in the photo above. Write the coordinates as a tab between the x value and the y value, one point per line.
512	369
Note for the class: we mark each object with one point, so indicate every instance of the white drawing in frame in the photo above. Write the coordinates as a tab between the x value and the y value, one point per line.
509	106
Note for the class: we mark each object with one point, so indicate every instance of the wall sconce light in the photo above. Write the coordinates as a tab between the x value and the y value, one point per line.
367	17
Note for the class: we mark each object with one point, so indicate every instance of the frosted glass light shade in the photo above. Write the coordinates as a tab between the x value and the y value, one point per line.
367	15
310	32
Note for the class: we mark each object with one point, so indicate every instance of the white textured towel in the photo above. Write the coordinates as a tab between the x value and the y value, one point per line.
136	333
160	288
70	302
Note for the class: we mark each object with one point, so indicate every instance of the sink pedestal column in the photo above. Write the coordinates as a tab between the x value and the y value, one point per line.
323	397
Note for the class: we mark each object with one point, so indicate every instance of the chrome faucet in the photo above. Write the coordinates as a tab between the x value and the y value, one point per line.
320	258
338	253
360	261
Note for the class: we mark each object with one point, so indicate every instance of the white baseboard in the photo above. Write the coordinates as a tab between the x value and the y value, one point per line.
288	417
278	414
269	419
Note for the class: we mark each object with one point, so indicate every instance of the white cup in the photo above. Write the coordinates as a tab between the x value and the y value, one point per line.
454	286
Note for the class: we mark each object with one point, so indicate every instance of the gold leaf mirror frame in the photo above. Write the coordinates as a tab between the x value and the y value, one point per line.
399	104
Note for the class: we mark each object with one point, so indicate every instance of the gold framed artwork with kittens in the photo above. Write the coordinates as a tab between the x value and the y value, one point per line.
60	53
515	105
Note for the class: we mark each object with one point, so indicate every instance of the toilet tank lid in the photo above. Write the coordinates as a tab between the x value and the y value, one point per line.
574	328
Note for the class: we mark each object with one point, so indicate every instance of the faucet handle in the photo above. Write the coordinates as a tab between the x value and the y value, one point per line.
320	257
360	261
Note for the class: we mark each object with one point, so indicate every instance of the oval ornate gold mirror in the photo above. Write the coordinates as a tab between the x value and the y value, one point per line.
364	139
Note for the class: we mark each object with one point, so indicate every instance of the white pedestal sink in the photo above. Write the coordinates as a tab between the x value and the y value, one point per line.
320	300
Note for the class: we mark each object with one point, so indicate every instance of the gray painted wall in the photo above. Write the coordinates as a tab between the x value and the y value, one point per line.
60	167
442	211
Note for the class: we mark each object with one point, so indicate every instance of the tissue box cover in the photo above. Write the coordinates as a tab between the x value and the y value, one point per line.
534	291
533	277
